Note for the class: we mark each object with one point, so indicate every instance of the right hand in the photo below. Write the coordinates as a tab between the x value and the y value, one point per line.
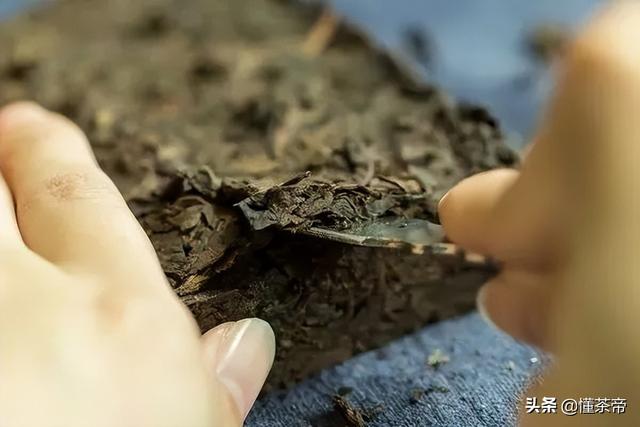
566	227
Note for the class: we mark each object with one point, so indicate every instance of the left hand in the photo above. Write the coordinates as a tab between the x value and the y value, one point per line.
90	332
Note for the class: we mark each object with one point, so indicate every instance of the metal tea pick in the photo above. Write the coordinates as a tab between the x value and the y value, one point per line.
416	235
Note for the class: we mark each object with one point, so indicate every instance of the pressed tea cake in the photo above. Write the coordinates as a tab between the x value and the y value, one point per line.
192	107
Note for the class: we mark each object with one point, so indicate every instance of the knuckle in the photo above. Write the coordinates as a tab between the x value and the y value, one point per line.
116	308
71	186
75	185
112	308
129	309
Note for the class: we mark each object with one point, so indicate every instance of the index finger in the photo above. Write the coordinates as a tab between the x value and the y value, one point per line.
68	210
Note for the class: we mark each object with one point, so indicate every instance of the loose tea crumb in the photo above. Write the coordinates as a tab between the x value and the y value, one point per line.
437	358
437	389
344	391
353	416
416	395
419	45
547	41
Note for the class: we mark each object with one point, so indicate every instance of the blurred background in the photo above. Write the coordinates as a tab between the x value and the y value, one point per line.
489	52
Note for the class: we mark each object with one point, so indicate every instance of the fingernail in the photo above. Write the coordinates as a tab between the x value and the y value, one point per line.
443	200
482	308
244	360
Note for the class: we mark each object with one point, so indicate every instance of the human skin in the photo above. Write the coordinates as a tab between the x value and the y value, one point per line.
90	332
566	227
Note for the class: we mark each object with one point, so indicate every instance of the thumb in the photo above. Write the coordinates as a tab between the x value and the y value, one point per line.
239	356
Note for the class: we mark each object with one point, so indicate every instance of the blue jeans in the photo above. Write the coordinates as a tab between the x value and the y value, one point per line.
478	386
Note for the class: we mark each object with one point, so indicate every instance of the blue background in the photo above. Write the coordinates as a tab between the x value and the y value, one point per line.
478	47
477	54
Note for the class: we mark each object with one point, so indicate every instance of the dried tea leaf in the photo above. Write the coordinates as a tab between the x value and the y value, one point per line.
353	416
437	358
310	202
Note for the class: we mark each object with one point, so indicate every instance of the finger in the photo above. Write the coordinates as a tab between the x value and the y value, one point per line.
9	234
68	210
592	128
468	210
584	159
240	355
518	303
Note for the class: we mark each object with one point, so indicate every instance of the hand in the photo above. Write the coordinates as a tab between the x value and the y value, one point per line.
90	332
566	228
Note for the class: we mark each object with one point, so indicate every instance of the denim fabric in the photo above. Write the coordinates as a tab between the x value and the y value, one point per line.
479	386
